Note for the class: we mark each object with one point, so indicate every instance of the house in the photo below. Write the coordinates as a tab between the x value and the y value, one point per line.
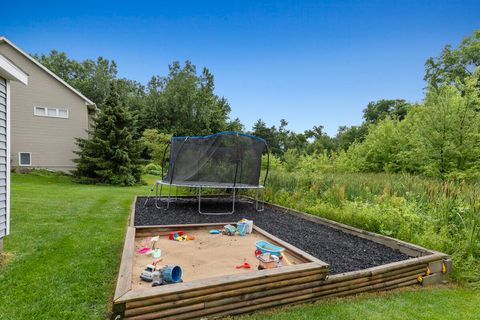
9	74
47	115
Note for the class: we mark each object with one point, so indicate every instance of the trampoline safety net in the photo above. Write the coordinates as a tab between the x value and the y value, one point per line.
223	159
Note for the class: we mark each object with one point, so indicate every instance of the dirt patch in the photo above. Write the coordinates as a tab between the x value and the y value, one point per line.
344	252
209	255
5	258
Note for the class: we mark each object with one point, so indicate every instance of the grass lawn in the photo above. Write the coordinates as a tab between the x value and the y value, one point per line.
420	304
64	251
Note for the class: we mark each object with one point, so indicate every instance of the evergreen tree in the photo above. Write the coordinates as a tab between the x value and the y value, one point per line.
110	155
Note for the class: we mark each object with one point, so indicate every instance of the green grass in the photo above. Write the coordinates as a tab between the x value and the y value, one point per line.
65	246
427	304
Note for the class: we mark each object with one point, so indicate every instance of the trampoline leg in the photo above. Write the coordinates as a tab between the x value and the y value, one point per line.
149	194
256	201
214	213
199	199
156	196
169	194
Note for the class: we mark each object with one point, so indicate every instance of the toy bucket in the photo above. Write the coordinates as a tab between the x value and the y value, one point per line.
249	224
172	274
242	228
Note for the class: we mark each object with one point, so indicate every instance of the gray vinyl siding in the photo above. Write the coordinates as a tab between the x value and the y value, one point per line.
50	141
3	157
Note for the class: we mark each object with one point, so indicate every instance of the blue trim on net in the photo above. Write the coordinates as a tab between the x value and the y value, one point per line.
218	134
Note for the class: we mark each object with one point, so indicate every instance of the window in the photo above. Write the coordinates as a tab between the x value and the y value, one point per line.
39	111
62	113
51	112
24	158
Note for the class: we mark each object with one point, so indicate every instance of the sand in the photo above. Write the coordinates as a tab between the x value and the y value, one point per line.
206	256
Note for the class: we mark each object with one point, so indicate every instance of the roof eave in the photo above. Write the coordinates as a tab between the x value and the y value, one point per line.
10	71
87	101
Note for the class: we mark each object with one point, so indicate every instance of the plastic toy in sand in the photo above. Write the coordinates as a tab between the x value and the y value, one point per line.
160	276
180	236
150	273
149	245
155	253
268	261
175	234
144	250
244	265
267	247
248	225
229	230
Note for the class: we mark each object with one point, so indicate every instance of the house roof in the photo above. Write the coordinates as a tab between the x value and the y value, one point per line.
88	102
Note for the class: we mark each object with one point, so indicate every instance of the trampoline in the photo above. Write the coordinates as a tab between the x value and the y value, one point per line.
226	160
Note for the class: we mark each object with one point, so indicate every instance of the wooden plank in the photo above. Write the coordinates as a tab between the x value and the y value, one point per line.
124	281
216	289
222	281
312	280
184	226
132	213
281	299
422	261
291	287
144	231
288	246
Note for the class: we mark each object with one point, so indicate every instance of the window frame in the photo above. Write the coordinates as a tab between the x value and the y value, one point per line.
46	109
20	159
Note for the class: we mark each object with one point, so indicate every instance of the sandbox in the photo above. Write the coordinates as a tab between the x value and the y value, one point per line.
327	259
208	255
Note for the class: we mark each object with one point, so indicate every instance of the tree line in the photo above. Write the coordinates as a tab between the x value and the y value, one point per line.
438	137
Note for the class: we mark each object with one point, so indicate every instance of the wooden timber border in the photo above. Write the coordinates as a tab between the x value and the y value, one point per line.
250	291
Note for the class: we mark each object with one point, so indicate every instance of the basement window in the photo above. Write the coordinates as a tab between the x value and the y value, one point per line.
51	112
24	158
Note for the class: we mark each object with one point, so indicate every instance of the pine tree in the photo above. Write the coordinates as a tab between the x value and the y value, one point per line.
110	155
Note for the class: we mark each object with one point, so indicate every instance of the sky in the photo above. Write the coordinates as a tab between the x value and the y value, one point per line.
309	62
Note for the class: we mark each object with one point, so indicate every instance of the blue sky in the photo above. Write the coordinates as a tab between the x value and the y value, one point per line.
310	62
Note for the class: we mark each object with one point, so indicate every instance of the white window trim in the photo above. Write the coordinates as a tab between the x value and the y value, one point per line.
57	112
20	159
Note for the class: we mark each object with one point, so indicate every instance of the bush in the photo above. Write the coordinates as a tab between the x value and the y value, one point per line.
153	169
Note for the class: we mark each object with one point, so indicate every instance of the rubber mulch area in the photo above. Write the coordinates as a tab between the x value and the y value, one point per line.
342	251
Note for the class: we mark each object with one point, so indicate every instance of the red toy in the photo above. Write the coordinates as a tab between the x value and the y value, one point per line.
175	234
245	265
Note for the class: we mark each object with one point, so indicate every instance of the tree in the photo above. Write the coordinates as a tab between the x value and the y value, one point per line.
260	129
346	136
91	77
184	103
454	64
448	130
379	110
235	125
321	141
155	143
110	155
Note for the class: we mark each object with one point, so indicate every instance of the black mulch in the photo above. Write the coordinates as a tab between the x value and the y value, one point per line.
344	252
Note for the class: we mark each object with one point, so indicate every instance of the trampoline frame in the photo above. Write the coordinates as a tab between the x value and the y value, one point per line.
199	185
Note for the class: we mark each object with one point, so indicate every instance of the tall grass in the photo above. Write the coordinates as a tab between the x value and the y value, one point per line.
443	216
